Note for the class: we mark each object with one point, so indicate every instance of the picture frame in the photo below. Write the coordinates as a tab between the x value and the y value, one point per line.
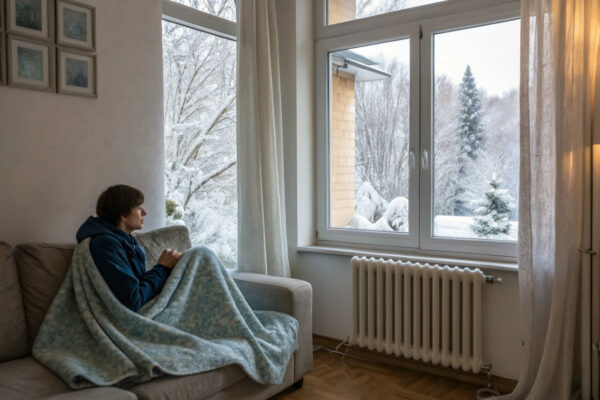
3	52
30	63
31	18
2	25
76	25
77	73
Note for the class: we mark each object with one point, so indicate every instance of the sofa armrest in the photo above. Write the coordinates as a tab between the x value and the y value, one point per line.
287	295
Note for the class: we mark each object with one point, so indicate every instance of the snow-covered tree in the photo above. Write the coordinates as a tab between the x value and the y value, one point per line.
492	213
470	127
200	136
382	131
367	8
470	133
446	145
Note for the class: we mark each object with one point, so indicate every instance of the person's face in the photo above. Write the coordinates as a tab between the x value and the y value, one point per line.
135	219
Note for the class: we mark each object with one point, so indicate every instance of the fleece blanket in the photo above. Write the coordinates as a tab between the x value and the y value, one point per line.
200	321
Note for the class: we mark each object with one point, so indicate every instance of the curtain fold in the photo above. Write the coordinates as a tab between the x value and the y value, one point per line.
262	240
559	83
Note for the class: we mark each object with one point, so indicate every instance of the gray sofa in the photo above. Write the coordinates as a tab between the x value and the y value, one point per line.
30	275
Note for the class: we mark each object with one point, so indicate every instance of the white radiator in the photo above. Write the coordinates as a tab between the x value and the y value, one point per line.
418	311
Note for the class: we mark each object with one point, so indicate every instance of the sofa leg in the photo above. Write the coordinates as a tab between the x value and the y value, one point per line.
298	385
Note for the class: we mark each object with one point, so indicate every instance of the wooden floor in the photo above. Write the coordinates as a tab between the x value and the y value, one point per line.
358	379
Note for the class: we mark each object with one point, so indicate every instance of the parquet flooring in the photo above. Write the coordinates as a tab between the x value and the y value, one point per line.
358	380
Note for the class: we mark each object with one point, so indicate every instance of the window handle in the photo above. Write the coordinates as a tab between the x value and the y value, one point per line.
411	159
425	159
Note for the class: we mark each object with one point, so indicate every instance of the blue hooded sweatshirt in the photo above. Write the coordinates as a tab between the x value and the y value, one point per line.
122	263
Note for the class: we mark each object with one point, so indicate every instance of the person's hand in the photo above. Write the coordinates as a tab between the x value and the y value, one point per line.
169	258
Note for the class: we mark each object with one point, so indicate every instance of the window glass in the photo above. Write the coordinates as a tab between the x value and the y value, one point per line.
369	137
221	8
349	10
200	137
476	132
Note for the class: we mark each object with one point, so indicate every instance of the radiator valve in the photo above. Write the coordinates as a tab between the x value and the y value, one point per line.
493	281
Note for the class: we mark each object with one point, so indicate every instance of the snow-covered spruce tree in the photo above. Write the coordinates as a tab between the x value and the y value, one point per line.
491	214
470	133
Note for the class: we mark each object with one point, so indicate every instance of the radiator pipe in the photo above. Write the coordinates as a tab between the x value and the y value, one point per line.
493	281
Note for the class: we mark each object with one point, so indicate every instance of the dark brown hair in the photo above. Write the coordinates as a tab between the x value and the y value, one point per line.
116	201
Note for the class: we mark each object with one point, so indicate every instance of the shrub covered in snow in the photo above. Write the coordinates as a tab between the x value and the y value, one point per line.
369	203
396	215
372	212
491	214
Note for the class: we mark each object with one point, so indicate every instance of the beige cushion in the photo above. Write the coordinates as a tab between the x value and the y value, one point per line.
25	378
99	393
154	242
42	268
196	386
13	330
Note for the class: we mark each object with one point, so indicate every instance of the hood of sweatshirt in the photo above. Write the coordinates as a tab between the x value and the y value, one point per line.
94	226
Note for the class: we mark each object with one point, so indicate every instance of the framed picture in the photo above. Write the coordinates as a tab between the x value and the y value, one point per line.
75	25
76	73
30	63
2	26
2	59
32	18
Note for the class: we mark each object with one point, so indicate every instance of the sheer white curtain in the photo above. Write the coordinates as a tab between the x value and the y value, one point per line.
559	83
262	241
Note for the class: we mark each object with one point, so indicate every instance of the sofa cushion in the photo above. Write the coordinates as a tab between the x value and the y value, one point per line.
171	237
196	386
13	330
99	393
247	389
25	378
42	268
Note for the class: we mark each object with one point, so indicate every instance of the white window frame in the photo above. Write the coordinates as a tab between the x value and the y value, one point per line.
412	23
323	48
198	20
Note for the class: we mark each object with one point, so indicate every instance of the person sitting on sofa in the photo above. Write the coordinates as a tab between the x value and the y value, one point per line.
117	254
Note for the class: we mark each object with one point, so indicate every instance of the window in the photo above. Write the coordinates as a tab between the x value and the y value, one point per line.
476	132
200	135
220	8
418	126
370	137
344	10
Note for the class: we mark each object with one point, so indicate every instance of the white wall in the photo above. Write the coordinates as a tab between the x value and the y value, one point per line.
57	152
330	275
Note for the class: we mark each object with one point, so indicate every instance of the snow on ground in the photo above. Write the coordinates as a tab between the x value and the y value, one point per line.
460	227
448	226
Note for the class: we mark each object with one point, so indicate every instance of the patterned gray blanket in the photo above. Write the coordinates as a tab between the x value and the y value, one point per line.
200	321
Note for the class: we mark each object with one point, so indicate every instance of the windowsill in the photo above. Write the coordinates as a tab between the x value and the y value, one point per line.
463	262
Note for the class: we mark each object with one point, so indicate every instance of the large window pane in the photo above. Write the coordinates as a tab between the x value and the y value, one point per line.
476	132
349	10
369	137
221	8
200	137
